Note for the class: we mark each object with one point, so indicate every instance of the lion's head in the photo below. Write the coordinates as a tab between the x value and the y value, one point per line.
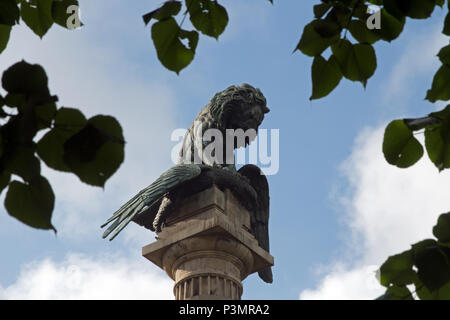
239	107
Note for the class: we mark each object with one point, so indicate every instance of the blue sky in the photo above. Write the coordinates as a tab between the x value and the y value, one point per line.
337	209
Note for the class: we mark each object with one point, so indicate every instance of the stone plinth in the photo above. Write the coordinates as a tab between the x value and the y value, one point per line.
207	248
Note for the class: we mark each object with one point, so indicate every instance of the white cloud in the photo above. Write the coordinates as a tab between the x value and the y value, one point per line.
387	210
82	277
346	284
418	59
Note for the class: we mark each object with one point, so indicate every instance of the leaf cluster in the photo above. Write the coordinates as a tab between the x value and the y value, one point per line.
92	149
38	15
426	266
207	17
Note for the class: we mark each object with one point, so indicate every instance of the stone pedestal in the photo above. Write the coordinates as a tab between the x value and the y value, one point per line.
207	248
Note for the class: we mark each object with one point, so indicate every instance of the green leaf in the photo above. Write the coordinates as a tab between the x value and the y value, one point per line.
390	26
397	293
97	151
416	9
5	31
397	270
22	162
9	12
420	9
327	28
440	3
321	9
444	55
422	291
50	148
15	100
70	120
400	147
443	293
340	14
446	29
38	17
172	53
31	203
396	8
442	229
5	177
63	13
27	79
326	75
432	263
437	140
167	10
361	33
207	16
45	114
357	62
312	43
440	89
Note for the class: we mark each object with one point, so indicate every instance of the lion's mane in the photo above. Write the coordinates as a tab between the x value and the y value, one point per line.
222	107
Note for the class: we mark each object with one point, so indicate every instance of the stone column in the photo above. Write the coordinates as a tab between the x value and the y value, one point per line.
207	248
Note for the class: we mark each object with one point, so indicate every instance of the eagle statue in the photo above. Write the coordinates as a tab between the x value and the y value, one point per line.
236	109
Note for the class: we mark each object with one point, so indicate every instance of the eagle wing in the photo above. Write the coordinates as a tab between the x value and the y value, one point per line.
150	196
260	217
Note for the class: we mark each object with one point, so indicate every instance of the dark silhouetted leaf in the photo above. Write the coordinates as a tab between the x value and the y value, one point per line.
442	229
437	140
21	161
16	101
321	9
416	9
45	114
432	262
326	75
172	53
9	12
420	9
97	151
31	203
396	8
5	177
5	31
38	17
50	148
207	16
28	79
400	147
